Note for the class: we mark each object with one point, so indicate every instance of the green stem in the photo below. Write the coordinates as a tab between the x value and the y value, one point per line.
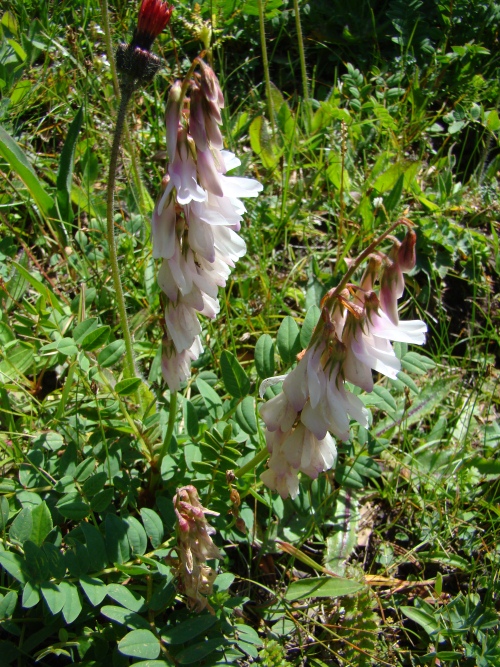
116	85
335	291
109	45
156	463
302	58
258	458
265	63
129	366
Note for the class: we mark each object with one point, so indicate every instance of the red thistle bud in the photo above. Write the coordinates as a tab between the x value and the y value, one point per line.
135	62
154	16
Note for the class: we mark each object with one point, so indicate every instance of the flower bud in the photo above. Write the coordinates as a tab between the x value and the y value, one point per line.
135	62
407	257
172	118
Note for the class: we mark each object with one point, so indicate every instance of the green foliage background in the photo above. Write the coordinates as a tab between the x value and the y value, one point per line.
402	120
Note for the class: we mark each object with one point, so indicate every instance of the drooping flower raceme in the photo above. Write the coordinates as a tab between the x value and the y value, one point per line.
195	578
353	337
196	219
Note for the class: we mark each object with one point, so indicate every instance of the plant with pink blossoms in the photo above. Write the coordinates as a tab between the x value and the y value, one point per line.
197	218
351	339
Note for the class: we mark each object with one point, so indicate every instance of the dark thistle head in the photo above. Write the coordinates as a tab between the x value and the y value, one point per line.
134	61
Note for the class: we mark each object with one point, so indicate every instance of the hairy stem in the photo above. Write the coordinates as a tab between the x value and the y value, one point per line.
265	63
116	85
302	58
129	367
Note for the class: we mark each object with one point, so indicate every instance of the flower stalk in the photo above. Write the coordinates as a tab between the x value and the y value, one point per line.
137	66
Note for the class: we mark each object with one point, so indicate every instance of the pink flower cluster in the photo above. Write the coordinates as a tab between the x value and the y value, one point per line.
195	577
352	338
197	218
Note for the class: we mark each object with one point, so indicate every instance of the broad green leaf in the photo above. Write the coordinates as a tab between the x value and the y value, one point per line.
95	547
191	419
188	630
21	527
111	354
36	562
288	340
386	402
55	560
245	415
485	466
492	120
95	589
392	199
42	523
343	538
72	506
321	587
310	321
262	143
426	620
199	651
53	596
248	634
77	559
127	386
94	484
65	171
31	595
37	285
389	178
210	397
126	617
64	345
224	581
153	525
136	536
96	338
117	544
233	375
8	605
140	644
19	359
19	163
338	175
102	499
84	469
14	564
264	356
417	363
126	597
72	605
163	595
408	382
85	327
16	286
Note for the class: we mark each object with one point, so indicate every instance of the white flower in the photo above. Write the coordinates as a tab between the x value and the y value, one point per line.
278	413
182	172
163	229
280	476
368	346
176	366
183	325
